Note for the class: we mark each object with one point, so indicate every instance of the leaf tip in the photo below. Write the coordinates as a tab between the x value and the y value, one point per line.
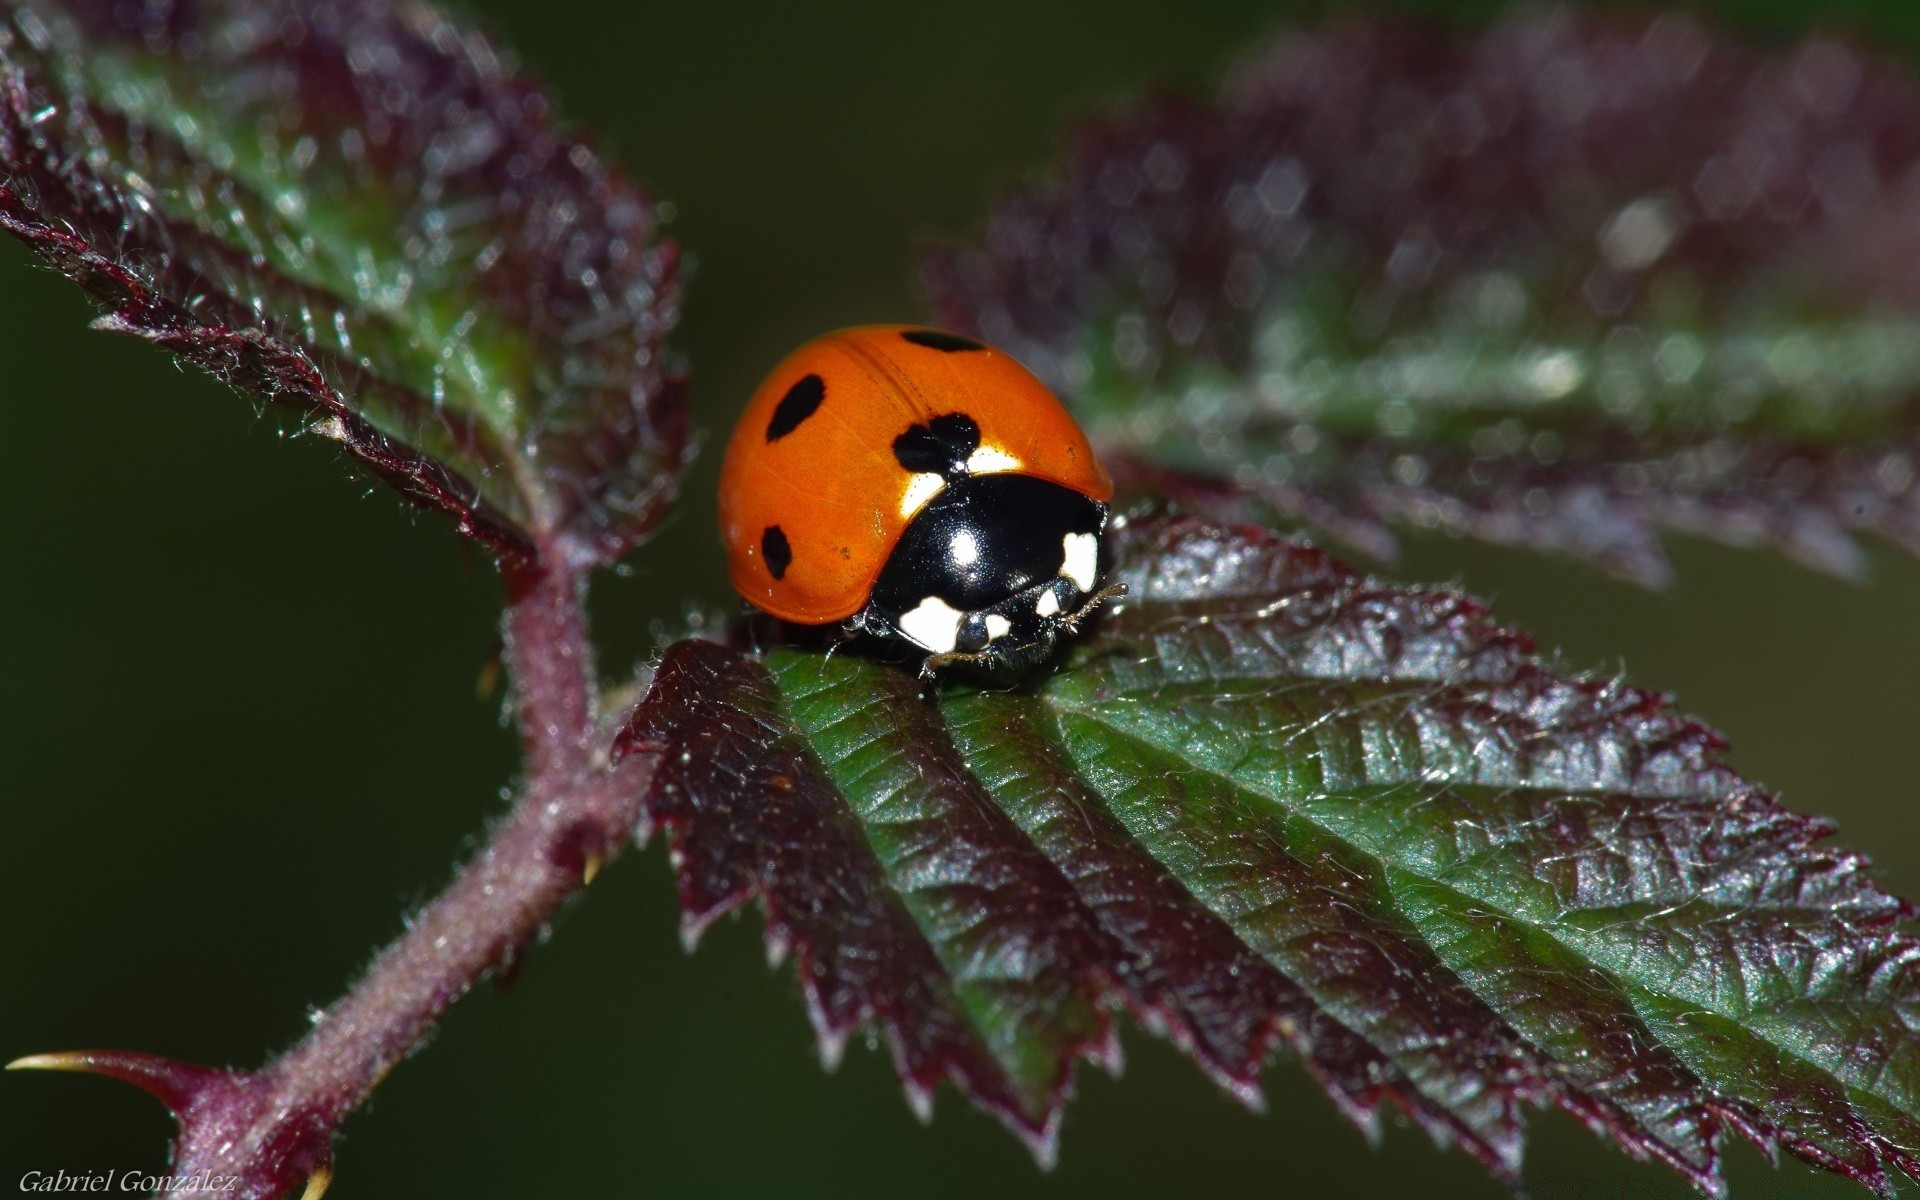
919	1100
330	427
832	1043
777	944
1043	1140
690	931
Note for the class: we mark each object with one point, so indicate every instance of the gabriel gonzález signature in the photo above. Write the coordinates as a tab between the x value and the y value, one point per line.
127	1181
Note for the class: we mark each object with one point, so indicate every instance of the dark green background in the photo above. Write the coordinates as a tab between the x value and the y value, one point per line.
239	738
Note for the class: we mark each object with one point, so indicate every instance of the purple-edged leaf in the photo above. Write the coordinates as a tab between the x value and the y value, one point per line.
364	211
1559	285
908	905
1266	801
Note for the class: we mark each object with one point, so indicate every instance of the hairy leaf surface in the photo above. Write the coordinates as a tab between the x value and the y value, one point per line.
364	211
1266	801
1557	285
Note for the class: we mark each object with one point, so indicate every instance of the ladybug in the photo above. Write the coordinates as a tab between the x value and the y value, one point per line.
913	484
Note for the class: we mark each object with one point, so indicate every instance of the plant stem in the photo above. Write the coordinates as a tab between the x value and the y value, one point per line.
275	1126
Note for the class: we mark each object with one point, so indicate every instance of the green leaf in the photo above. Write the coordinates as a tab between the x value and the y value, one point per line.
1266	800
369	214
1561	284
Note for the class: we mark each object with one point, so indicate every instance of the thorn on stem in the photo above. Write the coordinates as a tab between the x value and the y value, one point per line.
230	1123
175	1084
318	1184
488	681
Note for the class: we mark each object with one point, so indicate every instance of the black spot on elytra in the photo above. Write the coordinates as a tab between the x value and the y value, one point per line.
936	339
796	406
774	548
941	445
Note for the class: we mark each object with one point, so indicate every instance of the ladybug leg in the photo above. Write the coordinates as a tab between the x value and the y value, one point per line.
1071	622
865	623
930	666
848	631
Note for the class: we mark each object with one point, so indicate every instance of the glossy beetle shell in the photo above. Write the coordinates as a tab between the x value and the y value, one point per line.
814	493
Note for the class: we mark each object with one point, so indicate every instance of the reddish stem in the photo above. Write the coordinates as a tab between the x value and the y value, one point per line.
500	900
273	1129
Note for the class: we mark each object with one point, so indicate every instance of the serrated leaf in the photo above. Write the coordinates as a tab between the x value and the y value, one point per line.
1558	285
366	212
1269	801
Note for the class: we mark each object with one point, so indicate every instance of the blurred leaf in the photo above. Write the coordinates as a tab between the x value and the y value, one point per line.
1268	800
363	211
1559	286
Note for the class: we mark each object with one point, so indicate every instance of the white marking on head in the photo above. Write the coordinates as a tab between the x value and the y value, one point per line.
1047	605
965	548
922	487
1081	558
997	627
933	624
991	460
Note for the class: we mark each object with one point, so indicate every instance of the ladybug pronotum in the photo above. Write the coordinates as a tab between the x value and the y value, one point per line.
917	485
